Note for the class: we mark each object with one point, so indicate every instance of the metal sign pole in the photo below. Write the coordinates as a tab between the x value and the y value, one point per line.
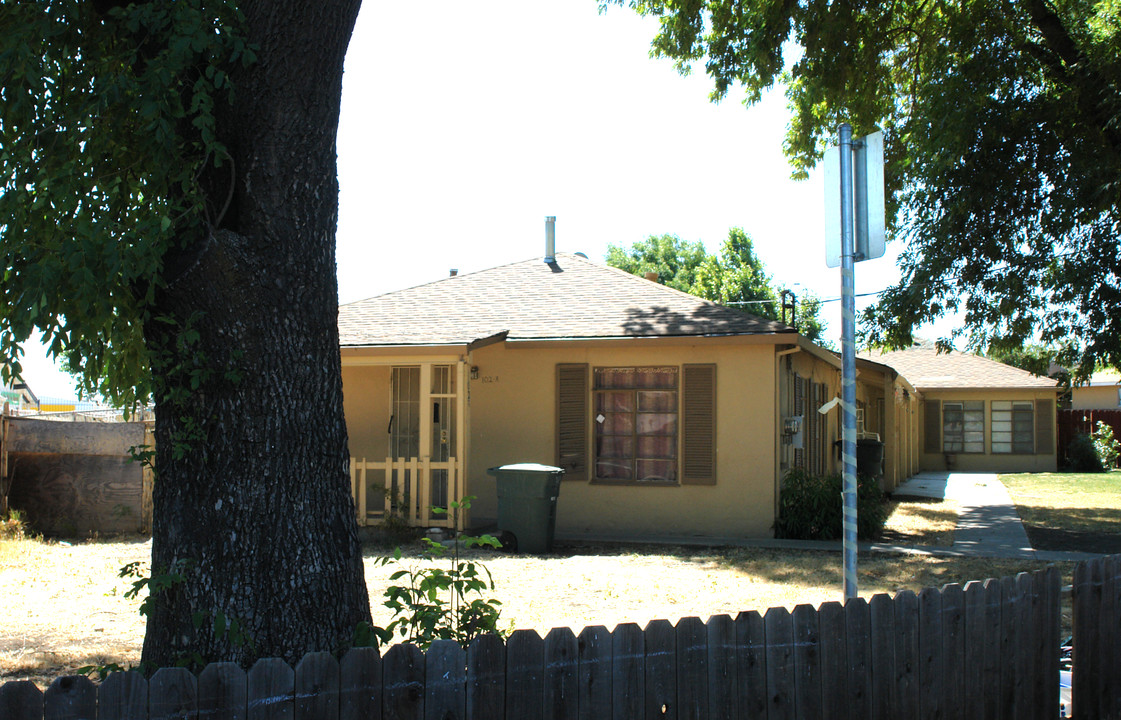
848	361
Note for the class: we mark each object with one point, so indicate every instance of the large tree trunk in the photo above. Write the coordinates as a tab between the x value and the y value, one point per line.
252	497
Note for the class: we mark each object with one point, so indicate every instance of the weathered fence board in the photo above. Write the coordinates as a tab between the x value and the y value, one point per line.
71	698
807	661
486	678
1111	632
993	647
360	685
751	665
906	654
953	650
834	649
445	675
123	696
271	687
973	669
402	671
1009	602
989	650
317	687
660	675
594	648
525	681
1097	655
1025	642
881	615
628	654
561	680
780	664
223	692
692	670
859	653
21	700
722	668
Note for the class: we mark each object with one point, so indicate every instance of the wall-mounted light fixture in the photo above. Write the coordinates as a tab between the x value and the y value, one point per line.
474	372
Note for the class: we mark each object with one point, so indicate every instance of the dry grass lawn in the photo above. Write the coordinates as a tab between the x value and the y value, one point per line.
921	522
1069	511
64	606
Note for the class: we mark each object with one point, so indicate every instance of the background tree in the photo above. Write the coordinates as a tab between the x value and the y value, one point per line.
1002	123
735	277
167	220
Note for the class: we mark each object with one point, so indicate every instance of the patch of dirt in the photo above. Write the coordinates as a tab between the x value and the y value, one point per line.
63	605
1047	538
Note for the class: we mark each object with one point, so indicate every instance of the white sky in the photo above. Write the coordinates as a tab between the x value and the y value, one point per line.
465	124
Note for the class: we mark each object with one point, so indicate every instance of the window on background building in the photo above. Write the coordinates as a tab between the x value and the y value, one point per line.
1013	428
636	424
963	427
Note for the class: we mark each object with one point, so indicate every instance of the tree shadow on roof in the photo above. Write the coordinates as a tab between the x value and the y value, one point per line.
706	320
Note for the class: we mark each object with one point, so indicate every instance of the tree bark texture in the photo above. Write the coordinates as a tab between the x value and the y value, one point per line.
252	495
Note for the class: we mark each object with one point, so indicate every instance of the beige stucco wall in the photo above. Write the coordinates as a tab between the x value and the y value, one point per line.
815	370
513	419
987	462
366	405
1097	397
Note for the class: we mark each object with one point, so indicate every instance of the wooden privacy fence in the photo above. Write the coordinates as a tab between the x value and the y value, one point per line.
76	478
1075	422
986	650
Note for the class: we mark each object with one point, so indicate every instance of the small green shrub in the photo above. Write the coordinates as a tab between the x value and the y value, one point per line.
1082	456
811	507
1107	447
436	603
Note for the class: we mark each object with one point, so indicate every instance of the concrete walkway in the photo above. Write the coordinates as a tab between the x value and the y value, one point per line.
988	525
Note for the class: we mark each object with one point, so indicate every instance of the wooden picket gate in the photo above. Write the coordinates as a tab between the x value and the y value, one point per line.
985	650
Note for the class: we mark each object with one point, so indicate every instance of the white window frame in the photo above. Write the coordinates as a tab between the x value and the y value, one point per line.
963	427
1005	415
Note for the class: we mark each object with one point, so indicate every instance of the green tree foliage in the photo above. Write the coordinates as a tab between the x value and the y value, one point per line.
735	277
105	140
1002	124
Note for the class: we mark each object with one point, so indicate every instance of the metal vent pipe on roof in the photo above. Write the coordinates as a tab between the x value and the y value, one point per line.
550	238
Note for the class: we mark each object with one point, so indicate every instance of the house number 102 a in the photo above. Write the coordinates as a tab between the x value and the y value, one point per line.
490	379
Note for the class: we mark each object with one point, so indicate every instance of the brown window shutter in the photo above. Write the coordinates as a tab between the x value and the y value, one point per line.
698	424
572	420
1044	420
932	426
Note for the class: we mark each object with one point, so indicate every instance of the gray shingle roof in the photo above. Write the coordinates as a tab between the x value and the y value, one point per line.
573	298
927	369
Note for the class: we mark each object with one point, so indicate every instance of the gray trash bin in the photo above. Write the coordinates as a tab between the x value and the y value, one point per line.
527	503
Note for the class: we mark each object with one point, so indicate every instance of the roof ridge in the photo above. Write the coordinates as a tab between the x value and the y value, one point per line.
450	277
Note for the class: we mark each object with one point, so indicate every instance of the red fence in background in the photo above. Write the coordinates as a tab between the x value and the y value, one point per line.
1074	422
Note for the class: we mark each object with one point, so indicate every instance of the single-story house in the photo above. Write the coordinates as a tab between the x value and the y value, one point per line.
1101	392
978	415
669	414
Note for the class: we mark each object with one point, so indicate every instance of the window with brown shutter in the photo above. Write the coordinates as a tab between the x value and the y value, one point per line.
698	415
572	420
